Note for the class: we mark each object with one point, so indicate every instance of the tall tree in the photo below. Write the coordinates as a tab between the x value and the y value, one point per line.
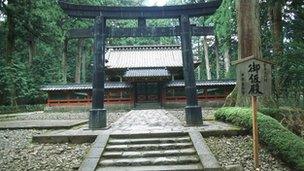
31	39
83	66
275	15
249	41
64	61
224	21
217	59
226	61
10	46
78	60
206	54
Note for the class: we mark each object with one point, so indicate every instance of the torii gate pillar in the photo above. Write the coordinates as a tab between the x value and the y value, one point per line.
98	115
193	111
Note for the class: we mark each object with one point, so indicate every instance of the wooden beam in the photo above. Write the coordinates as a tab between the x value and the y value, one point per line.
141	32
110	12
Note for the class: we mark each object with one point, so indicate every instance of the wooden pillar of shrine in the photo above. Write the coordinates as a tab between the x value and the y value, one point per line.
98	116
193	111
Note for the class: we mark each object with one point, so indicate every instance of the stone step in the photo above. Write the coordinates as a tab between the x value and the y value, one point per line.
149	140
154	153
193	167
144	147
151	135
146	161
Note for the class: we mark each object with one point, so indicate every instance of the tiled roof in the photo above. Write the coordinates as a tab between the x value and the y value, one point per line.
144	56
147	72
181	83
88	86
117	85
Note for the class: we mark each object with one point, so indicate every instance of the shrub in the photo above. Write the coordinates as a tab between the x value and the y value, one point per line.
21	108
278	139
291	118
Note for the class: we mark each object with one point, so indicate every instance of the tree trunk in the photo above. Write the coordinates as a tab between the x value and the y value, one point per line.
206	54
10	48
78	61
31	39
83	67
276	20
249	42
226	61
10	39
64	61
199	68
217	58
32	49
275	16
249	39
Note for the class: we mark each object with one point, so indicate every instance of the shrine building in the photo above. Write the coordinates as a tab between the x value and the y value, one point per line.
137	75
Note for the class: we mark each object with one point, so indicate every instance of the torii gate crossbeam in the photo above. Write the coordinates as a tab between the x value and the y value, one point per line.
101	32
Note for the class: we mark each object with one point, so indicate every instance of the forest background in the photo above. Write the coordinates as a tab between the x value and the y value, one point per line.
34	50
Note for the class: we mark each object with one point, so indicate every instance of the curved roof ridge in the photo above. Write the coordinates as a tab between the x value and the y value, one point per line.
144	47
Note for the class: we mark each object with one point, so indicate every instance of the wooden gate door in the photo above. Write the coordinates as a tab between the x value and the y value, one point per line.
147	92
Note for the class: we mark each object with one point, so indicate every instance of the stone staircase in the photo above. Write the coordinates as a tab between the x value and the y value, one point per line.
172	151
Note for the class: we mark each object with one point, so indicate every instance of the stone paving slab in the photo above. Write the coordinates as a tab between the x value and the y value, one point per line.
41	124
153	168
142	161
147	120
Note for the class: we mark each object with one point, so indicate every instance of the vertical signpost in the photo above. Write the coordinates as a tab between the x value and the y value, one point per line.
254	79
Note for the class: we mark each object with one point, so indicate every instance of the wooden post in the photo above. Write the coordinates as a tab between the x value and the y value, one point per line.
255	133
254	78
98	117
193	111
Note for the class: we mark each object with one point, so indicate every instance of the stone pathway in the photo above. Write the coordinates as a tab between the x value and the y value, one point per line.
149	140
137	121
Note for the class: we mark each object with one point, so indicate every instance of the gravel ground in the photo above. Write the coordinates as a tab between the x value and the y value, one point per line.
180	114
17	152
235	150
238	150
111	116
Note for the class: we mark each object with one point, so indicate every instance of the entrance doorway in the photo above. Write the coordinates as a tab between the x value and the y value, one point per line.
147	92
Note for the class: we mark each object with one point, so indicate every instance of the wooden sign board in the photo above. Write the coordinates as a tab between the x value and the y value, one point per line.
253	77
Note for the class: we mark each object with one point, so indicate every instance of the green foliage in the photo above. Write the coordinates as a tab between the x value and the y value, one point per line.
277	138
21	108
224	21
45	23
291	118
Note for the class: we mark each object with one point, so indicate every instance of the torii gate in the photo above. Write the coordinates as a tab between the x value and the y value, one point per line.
100	32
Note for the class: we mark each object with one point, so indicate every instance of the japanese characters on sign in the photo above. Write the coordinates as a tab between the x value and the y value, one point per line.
254	77
253	71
